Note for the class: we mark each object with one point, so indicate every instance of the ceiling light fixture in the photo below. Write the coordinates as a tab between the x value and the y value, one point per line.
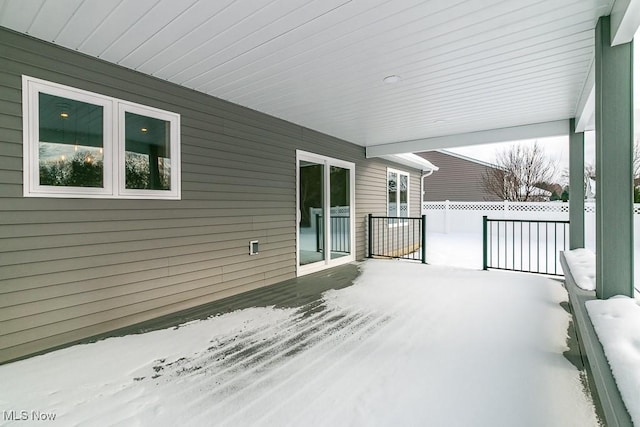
143	130
391	79
64	115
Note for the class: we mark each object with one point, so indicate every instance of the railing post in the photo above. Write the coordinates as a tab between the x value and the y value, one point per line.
370	249
484	242
424	239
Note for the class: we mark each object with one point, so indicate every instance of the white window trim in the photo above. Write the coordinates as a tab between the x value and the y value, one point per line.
408	175
113	144
31	88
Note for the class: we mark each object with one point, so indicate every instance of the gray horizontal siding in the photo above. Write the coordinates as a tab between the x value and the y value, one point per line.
74	268
371	188
457	180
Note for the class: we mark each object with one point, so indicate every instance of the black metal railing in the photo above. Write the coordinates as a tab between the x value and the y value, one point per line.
397	237
531	246
340	233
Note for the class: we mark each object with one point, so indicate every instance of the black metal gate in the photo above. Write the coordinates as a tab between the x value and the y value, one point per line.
531	246
397	237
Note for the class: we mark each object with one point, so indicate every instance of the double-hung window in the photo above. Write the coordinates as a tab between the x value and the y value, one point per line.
82	144
397	193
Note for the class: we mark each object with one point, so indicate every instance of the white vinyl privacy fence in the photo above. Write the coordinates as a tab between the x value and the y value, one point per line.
466	217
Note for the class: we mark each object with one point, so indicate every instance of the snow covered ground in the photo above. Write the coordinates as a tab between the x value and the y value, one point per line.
408	344
465	250
455	250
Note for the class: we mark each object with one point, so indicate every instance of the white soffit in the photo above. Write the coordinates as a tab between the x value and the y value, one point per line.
413	161
469	159
462	66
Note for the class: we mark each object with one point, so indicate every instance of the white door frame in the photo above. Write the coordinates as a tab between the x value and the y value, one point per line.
327	162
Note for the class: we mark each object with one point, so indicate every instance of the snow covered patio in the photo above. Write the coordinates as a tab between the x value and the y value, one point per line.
407	344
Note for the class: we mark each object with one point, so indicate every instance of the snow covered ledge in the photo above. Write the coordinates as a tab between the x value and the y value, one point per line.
579	272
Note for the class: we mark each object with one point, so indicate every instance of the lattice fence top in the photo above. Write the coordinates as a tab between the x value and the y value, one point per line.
478	207
510	206
497	206
335	210
340	210
463	206
434	206
535	207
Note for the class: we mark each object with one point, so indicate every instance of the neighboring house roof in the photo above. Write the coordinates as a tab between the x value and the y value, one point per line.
540	192
469	159
413	161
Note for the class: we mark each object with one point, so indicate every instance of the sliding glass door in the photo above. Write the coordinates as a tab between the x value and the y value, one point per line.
325	199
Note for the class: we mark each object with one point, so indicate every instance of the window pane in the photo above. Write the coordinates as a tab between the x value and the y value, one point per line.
392	189
311	196
70	150
340	199
404	196
147	153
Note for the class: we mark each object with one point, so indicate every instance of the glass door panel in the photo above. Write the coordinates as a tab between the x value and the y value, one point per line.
404	196
311	226
340	201
392	187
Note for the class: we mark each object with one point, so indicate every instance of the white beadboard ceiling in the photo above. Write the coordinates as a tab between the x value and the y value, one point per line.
464	65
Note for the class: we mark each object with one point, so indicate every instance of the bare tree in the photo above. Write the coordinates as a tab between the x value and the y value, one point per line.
589	175
519	170
636	160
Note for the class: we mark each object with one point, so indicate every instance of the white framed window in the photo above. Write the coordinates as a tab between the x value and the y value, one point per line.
397	193
81	144
147	151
